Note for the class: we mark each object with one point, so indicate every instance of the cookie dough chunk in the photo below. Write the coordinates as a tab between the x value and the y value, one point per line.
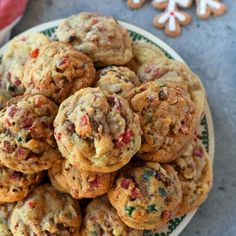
146	196
100	37
58	71
26	134
117	79
5	212
97	131
167	117
4	97
14	185
20	49
101	219
79	183
194	170
142	53
171	70
46	212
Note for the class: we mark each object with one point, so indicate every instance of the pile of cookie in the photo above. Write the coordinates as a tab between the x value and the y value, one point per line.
94	116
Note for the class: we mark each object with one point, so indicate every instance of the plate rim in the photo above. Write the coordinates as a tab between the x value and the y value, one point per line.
155	39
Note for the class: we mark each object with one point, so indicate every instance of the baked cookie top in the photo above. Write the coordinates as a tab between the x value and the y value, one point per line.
5	212
79	183
97	131
20	49
14	185
194	169
142	53
101	219
100	37
147	195
117	79
57	71
167	117
165	69
46	212
26	134
4	97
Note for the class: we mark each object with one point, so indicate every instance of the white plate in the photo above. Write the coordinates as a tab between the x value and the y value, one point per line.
205	132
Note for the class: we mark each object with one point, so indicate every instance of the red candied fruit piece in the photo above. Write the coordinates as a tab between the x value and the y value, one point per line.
198	152
128	135
94	21
96	182
16	174
84	120
31	204
166	215
17	82
135	193
7	147
27	124
125	183
12	110
20	152
62	62
35	53
58	136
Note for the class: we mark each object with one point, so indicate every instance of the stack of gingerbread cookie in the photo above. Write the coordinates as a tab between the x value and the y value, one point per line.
107	120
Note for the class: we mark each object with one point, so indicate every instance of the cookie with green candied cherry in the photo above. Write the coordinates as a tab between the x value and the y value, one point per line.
146	195
102	219
97	131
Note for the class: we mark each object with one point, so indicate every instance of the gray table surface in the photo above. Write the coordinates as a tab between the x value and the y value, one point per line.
209	47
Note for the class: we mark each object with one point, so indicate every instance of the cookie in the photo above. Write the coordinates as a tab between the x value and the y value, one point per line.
14	185
117	79
97	131
4	97
135	4
46	212
146	196
171	70
57	71
5	212
19	50
143	52
206	8
101	219
172	19
194	170
100	37
26	134
167	116
79	183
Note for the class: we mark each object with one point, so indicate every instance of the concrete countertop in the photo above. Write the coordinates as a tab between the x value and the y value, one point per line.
209	48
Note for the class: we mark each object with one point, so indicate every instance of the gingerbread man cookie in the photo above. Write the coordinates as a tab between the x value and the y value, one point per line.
172	19
205	8
135	4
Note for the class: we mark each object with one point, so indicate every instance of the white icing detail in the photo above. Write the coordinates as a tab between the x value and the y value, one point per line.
172	23
171	5
163	18
181	17
136	1
203	4
183	3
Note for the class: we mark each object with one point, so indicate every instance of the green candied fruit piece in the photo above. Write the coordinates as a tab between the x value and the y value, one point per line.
148	173
19	139
129	209
151	208
162	192
162	85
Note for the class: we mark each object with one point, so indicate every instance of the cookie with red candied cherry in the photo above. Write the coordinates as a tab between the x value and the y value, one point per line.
102	219
15	186
117	79
194	169
46	212
5	213
165	69
19	50
100	37
27	143
79	183
167	116
146	195
97	131
57	71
